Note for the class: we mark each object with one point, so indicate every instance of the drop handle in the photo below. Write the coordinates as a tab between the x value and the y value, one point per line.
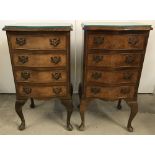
125	90
20	41
95	90
96	75
56	76
57	91
55	59
133	41
27	90
97	58
23	59
127	76
98	40
129	59
54	41
25	75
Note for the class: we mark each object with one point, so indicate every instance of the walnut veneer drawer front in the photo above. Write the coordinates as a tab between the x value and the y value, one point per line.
116	41
114	60
39	60
112	65
41	76
36	42
112	77
42	91
112	93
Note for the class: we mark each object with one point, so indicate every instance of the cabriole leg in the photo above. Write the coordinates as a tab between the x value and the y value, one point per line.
119	106
83	106
134	109
32	105
69	107
18	108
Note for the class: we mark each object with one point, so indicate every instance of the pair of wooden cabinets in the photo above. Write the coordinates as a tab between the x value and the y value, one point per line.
112	64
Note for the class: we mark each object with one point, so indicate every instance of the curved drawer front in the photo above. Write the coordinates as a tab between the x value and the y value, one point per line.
116	42
41	91
112	77
34	42
114	60
39	60
110	92
40	76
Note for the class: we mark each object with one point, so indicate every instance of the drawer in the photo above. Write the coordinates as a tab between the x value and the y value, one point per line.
33	76
116	41
39	60
112	77
115	60
35	42
110	92
41	91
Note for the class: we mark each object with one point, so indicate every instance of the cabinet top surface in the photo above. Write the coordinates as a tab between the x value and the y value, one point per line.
39	27
115	26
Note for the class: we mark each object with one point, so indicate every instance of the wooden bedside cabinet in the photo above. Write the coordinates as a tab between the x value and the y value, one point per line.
40	57
112	64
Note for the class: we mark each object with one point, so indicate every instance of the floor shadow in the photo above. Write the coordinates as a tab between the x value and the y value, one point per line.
105	112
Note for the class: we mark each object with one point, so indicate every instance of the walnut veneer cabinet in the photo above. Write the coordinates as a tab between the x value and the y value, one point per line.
112	64
40	57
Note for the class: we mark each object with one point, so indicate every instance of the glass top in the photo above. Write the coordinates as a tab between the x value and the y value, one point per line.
117	24
40	26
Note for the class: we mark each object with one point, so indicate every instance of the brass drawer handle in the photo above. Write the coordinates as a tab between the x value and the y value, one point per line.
97	58
55	59
23	59
56	76
95	90
129	59
27	90
54	42
127	76
25	75
96	75
57	91
125	90
20	41
133	41
98	40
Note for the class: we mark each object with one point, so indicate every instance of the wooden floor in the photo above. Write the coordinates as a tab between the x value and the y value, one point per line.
49	117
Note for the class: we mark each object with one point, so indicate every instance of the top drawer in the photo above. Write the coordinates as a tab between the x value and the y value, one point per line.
36	42
116	41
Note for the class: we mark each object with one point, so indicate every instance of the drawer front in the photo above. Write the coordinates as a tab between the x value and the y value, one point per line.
40	76
112	77
114	60
34	42
116	41
41	91
110	92
40	60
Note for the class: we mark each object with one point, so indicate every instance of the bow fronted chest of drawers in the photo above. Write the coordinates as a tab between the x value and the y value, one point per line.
40	57
112	64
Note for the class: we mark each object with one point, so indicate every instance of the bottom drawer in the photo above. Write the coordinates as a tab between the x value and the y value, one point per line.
110	92
41	91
